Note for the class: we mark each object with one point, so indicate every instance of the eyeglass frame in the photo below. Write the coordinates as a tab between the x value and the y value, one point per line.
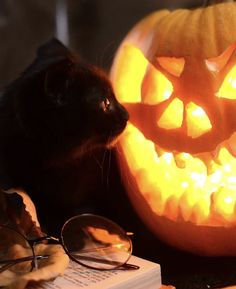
59	241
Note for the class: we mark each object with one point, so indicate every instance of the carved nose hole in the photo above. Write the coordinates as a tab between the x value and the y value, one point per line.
172	117
197	121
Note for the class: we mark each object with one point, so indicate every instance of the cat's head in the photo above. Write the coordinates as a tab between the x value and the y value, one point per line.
62	102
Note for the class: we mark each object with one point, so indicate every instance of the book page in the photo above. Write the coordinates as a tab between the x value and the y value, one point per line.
77	276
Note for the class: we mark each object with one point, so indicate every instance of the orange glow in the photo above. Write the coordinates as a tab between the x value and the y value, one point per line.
105	237
163	182
224	201
173	65
215	64
178	153
131	76
228	87
173	115
156	87
198	122
198	188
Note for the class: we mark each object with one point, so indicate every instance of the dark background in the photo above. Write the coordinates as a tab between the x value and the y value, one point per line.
94	29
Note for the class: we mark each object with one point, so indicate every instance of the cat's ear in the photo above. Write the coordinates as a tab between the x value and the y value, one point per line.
56	83
53	49
52	52
57	77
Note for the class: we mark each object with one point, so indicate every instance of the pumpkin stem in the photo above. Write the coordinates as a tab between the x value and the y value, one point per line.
211	2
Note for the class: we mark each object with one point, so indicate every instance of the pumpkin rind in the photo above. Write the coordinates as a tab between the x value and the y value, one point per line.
201	37
202	33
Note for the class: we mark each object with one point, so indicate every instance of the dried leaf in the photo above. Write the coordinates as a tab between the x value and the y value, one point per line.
20	213
49	268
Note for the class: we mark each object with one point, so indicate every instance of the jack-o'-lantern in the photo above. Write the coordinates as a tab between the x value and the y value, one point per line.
175	72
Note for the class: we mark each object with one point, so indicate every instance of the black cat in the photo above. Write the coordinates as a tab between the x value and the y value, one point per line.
51	118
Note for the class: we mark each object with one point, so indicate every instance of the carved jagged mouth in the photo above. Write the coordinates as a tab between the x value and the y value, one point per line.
180	144
199	188
146	119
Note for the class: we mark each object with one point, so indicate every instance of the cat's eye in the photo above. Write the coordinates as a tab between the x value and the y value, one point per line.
105	104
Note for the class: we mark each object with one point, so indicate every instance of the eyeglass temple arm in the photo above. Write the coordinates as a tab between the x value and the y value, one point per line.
44	238
11	262
125	266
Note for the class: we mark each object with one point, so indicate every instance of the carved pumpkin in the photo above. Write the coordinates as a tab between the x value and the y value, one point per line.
175	72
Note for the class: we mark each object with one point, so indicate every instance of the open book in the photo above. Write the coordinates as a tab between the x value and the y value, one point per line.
148	276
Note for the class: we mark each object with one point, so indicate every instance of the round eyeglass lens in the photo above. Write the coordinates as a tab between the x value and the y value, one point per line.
16	253
96	242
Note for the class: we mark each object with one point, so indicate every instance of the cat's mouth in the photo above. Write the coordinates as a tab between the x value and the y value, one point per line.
96	143
102	138
116	131
112	143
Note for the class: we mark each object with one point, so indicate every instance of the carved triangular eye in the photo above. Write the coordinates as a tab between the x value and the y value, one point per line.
156	87
131	74
173	65
228	87
216	64
139	80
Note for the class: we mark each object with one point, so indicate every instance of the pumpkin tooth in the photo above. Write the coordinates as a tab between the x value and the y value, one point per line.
231	145
185	208
212	167
159	150
206	158
180	160
224	157
224	203
172	207
199	213
155	201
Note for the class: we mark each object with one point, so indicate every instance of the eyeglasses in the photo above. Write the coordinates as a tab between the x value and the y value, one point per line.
90	240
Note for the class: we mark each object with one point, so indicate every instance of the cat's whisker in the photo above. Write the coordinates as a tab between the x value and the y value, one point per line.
107	150
111	142
108	168
104	156
100	163
118	150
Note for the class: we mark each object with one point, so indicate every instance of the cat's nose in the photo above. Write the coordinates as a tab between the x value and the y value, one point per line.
124	113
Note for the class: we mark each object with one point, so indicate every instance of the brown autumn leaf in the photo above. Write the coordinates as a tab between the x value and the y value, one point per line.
18	211
49	268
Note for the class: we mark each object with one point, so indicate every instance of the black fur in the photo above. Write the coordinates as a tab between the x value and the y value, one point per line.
57	111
